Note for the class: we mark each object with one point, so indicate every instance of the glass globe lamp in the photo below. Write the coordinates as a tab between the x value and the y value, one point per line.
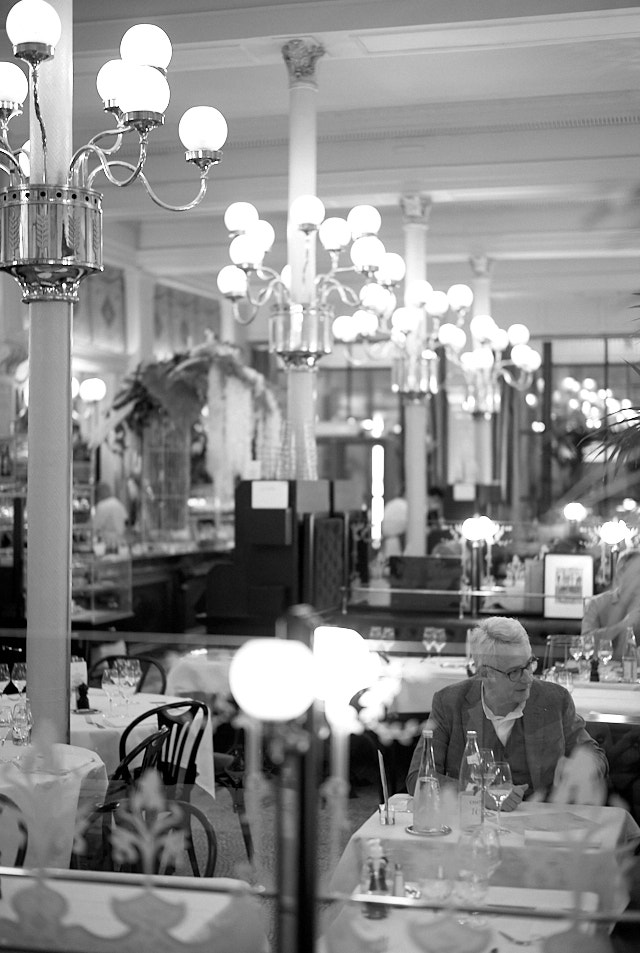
14	86
460	297
240	216
417	293
367	253
306	213
232	282
146	45
334	234
364	220
273	679
146	90
33	21
203	128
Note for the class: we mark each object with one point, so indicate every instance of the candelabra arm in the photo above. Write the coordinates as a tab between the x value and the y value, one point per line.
519	381
326	284
13	167
77	166
107	165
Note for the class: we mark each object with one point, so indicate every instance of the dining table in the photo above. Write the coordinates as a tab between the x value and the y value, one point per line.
100	728
52	785
553	857
116	914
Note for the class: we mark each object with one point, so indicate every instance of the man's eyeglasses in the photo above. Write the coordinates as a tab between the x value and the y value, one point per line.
515	674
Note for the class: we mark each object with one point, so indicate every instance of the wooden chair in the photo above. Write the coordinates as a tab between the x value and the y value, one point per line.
150	668
14	835
186	721
200	841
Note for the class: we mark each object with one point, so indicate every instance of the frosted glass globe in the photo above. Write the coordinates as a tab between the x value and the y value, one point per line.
460	297
405	319
526	358
14	85
232	282
613	532
356	670
452	336
375	297
146	45
344	329
146	90
111	78
364	220
75	387
480	359
33	21
418	292
203	127
482	327
499	340
244	250
262	234
437	304
305	211
476	528
273	679
367	253
575	512
286	277
391	270
518	334
334	234
365	322
92	390
240	216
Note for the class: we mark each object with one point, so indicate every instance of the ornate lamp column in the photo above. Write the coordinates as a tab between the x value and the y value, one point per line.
415	386
300	333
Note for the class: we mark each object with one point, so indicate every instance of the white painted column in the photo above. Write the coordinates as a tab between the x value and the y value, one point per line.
139	302
482	424
50	478
300	57
416	211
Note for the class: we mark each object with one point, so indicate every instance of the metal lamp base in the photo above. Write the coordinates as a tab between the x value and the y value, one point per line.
50	238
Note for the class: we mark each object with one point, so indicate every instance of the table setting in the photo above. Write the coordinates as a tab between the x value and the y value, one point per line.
100	726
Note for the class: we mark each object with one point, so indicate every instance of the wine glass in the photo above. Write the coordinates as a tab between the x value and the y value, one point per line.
19	676
439	640
499	784
127	680
575	647
566	680
605	653
588	647
110	684
4	677
6	721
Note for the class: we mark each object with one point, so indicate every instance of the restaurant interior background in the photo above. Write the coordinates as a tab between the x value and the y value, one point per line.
501	143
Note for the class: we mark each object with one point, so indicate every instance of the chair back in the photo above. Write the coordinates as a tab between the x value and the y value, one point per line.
153	676
127	772
186	721
14	835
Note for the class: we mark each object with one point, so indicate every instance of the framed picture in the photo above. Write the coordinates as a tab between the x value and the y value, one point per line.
568	581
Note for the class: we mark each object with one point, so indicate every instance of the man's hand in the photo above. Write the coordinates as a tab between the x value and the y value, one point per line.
511	803
577	779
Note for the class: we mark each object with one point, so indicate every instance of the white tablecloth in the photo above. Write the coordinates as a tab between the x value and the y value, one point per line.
79	915
49	791
101	732
204	673
540	852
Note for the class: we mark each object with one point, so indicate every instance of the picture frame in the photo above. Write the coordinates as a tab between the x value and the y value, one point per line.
568	582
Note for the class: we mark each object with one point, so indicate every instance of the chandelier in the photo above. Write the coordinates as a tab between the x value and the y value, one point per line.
52	233
303	333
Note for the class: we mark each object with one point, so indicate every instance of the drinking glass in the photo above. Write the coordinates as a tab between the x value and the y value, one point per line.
127	680
19	676
587	647
22	723
6	721
499	785
575	647
566	680
478	858
110	684
605	654
4	677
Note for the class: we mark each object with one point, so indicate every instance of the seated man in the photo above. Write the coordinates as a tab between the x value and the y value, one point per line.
530	723
611	613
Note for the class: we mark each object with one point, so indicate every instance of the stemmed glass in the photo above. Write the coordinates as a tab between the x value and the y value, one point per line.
478	853
22	722
605	654
4	677
587	647
127	680
575	647
19	676
6	721
110	684
499	784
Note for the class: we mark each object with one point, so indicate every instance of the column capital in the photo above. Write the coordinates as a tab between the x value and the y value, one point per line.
415	208
300	58
481	265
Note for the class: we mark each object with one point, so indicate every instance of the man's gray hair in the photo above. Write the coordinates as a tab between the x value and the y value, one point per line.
625	557
489	637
